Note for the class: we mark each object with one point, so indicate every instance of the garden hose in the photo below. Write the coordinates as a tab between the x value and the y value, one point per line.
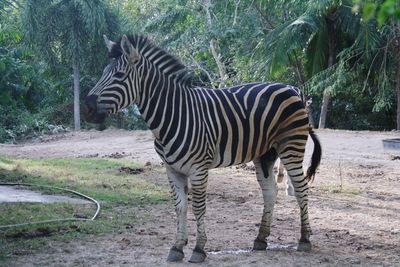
54	220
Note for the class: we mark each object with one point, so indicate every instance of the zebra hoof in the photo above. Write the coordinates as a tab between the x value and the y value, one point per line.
304	246
260	245
175	255
198	256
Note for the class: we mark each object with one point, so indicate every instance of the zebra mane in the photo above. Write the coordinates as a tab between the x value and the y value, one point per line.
146	49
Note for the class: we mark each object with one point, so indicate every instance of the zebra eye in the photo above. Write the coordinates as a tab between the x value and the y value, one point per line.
119	75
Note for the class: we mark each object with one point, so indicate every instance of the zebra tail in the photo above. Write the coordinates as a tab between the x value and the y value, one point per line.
315	158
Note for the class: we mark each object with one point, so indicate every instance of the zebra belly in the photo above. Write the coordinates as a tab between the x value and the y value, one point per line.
188	164
228	158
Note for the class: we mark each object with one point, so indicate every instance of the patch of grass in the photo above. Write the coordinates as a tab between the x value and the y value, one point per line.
117	191
337	189
99	178
16	213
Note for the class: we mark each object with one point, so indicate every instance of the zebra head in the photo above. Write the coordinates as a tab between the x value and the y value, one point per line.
115	89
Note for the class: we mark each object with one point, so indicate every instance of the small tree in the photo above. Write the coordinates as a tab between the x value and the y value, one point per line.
69	32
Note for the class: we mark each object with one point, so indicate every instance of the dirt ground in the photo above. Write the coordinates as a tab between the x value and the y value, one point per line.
359	225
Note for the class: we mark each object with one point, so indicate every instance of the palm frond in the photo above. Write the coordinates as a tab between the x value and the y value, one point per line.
290	36
317	51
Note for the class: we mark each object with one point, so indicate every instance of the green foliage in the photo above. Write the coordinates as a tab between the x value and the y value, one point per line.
369	11
17	124
128	119
69	31
343	55
132	119
24	85
354	108
381	10
262	40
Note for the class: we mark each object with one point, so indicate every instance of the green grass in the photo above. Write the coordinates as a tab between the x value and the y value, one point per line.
337	189
99	178
118	192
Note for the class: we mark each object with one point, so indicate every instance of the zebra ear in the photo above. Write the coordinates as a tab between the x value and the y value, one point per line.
109	43
129	51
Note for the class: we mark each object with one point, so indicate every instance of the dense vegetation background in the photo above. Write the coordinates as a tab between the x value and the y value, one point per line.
345	55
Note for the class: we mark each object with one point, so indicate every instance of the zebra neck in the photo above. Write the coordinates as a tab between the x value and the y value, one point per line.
161	103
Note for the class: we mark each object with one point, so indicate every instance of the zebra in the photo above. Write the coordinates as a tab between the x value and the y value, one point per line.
197	129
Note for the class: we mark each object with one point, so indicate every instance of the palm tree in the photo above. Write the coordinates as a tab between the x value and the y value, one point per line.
324	29
68	32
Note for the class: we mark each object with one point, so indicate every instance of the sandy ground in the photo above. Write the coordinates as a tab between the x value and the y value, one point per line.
358	226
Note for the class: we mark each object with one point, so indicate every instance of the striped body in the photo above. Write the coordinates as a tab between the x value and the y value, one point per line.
197	129
219	128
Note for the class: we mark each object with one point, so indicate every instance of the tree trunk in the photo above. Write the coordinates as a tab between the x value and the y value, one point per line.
120	120
300	77
324	109
310	116
216	56
398	97
77	117
397	85
331	61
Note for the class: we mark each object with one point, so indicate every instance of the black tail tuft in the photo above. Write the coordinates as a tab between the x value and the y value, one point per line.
315	158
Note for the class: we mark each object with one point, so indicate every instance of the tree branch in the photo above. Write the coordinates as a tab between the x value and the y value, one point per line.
204	70
266	20
221	66
237	3
297	67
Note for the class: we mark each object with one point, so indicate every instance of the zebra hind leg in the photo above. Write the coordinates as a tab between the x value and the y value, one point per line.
289	187
266	179
279	178
199	188
294	167
179	189
281	173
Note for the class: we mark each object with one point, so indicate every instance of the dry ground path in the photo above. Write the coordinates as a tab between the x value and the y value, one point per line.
359	225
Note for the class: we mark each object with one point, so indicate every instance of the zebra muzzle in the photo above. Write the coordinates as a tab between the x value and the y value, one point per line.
91	111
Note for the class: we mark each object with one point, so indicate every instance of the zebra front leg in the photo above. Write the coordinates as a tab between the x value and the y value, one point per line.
179	188
265	177
294	167
199	195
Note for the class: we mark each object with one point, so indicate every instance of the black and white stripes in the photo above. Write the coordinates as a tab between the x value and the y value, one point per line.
197	129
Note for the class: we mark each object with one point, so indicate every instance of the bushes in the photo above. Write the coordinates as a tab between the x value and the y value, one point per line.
17	124
26	87
354	110
128	119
